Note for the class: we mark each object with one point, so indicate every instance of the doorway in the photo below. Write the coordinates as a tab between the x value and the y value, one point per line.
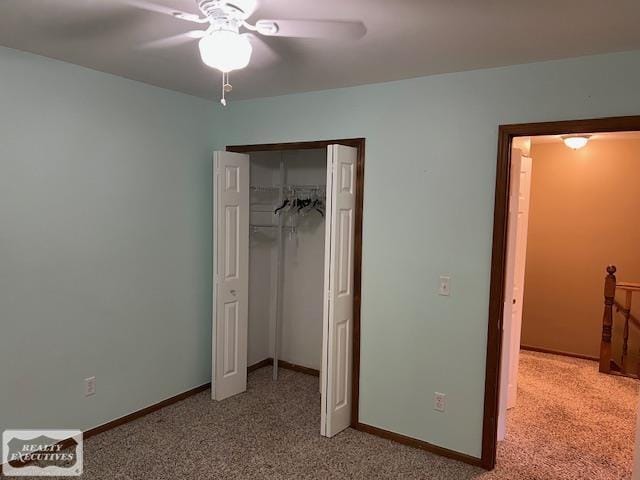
339	203
497	357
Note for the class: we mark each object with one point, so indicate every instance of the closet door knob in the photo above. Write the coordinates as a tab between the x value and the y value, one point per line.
233	292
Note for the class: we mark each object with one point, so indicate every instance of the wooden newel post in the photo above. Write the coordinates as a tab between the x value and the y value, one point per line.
607	319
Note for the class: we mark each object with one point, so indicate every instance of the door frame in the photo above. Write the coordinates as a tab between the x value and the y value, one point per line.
359	144
506	134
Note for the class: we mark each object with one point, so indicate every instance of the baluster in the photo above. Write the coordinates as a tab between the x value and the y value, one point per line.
607	319
626	313
638	365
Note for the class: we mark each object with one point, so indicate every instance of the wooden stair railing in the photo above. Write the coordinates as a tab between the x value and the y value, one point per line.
607	362
607	319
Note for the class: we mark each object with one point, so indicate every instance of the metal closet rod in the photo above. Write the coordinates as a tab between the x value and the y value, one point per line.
285	227
282	189
276	188
280	269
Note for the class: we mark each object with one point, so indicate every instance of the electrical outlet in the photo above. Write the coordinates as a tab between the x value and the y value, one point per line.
89	386
445	286
439	402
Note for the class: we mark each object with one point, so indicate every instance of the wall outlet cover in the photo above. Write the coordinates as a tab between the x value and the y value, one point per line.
445	285
439	402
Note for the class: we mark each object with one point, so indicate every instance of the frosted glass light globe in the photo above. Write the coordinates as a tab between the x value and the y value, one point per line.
225	50
575	142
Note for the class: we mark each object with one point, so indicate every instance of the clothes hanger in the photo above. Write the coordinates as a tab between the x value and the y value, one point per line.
318	206
284	204
303	203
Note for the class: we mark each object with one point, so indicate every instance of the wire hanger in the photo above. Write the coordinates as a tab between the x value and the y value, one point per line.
281	207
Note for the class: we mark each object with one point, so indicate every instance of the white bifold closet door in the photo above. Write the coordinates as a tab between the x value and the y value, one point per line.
231	259
230	274
338	302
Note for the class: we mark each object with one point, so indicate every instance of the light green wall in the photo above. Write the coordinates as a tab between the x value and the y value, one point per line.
105	243
105	230
428	210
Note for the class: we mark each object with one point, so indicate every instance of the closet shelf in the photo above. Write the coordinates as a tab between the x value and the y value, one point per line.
255	227
288	188
264	188
266	208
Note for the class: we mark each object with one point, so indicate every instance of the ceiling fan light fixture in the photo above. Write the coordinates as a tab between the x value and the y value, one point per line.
575	142
225	50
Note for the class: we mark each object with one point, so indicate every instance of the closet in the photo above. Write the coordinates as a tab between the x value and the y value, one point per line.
287	204
283	269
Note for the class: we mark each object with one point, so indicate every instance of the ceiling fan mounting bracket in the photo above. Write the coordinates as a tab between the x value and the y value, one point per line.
238	10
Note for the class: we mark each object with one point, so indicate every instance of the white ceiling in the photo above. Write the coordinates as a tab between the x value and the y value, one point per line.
405	38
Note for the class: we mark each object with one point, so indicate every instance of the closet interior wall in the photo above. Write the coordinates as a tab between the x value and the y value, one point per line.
299	339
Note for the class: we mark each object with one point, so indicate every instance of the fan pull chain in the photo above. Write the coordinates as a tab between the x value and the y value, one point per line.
226	87
223	101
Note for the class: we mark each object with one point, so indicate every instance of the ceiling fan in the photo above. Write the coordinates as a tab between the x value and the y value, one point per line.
225	47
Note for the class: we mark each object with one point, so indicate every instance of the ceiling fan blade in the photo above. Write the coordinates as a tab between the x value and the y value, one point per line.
329	29
157	8
174	40
263	54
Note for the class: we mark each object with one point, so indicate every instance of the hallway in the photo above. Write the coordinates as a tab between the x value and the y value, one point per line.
570	422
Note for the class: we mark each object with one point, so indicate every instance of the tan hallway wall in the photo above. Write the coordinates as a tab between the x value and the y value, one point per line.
584	212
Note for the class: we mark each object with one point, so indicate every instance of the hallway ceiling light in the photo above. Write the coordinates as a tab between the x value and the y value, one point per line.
575	142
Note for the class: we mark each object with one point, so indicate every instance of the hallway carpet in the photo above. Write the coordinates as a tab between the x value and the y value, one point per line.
570	423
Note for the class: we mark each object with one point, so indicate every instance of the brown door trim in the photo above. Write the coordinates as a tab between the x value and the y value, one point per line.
496	293
358	143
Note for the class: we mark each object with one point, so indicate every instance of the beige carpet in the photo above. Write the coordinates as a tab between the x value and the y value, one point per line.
570	423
